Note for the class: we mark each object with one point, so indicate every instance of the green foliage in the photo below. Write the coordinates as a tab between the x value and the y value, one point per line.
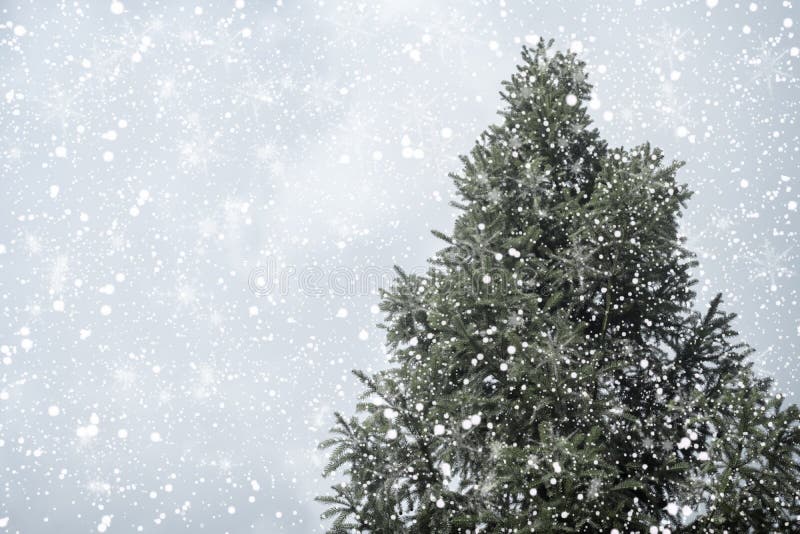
548	372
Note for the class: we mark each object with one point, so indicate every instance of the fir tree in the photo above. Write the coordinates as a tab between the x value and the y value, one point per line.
549	374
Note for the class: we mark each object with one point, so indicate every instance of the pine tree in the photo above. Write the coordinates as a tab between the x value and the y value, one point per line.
549	374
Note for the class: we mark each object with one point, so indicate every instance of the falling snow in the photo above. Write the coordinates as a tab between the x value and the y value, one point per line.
192	193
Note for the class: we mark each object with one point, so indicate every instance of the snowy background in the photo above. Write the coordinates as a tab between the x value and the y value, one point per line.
163	163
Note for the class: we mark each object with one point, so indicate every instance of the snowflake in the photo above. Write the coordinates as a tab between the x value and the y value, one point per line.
772	265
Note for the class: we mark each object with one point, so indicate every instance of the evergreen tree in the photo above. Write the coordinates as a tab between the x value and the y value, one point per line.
548	372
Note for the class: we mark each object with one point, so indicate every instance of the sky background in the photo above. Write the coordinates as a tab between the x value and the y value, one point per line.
198	200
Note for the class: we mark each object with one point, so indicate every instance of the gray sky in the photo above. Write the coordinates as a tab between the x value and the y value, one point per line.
158	158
